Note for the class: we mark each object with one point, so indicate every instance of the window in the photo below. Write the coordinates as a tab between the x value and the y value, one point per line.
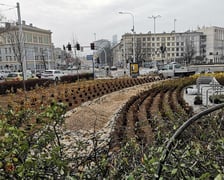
6	51
40	39
148	38
168	44
153	39
143	39
34	38
158	39
46	40
29	37
168	38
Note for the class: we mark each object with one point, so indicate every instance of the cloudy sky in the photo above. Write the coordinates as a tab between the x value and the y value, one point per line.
85	20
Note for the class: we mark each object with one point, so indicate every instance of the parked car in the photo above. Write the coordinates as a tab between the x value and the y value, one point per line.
14	76
52	74
113	68
4	74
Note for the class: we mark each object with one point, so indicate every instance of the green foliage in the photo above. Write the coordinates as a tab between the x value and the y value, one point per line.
36	155
217	98
37	152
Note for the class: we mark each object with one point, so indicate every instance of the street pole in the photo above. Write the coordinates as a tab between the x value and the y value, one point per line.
21	42
154	19
174	25
133	31
154	22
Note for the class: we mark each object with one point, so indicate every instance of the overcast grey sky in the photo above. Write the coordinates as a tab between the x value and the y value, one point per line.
82	18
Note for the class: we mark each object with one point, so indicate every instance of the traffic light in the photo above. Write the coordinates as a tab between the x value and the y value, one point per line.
78	46
163	48
92	46
69	46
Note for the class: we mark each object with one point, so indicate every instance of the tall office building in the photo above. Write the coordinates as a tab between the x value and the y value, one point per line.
114	40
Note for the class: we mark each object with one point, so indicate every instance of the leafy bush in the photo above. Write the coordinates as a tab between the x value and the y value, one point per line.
217	99
35	151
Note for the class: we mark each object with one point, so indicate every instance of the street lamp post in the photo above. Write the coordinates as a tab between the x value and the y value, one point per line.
133	31
154	19
174	25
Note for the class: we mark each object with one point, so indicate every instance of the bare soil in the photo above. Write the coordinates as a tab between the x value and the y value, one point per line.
98	112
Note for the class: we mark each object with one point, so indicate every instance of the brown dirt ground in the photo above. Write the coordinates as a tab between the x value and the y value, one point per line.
99	111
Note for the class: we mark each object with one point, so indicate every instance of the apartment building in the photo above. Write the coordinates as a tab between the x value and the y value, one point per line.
214	49
164	47
38	47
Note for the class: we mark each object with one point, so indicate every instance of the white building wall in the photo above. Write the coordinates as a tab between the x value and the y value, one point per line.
215	44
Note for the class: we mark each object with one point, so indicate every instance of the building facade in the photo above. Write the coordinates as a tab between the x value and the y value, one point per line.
160	47
38	48
214	49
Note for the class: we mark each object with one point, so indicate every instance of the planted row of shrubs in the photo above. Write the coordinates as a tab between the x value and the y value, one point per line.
12	86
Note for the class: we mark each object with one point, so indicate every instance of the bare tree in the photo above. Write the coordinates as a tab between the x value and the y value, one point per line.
14	39
189	51
43	58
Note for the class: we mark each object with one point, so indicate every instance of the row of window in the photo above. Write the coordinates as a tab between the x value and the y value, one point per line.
14	59
158	38
167	44
176	38
11	50
158	49
9	58
157	54
30	38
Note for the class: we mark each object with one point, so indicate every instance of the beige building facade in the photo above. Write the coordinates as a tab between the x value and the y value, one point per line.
160	47
38	48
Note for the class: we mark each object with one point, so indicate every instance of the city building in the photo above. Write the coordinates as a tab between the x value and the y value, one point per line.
163	48
215	44
114	40
38	48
